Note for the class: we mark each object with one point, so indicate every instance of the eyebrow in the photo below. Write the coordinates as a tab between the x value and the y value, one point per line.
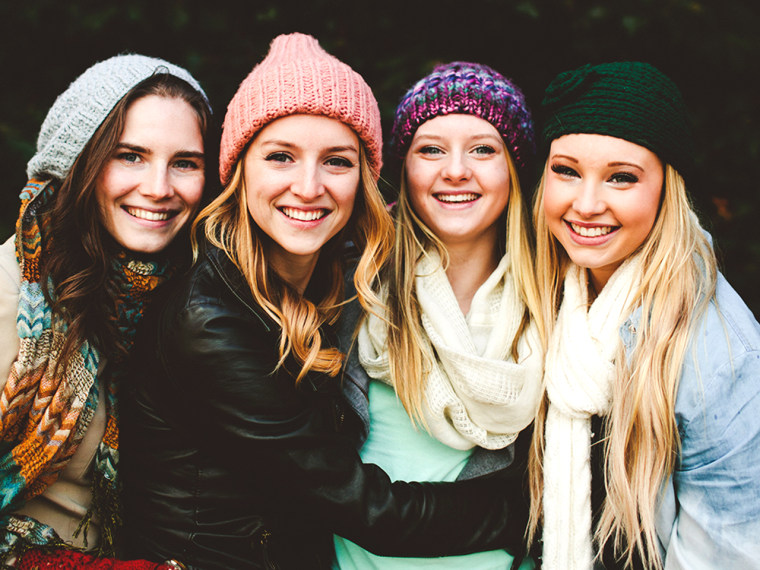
144	150
633	164
287	144
478	136
566	157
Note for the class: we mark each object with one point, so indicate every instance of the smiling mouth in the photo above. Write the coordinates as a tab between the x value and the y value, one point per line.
150	216
457	198
592	232
304	215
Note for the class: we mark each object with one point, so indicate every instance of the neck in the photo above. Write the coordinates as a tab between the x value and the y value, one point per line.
296	271
469	267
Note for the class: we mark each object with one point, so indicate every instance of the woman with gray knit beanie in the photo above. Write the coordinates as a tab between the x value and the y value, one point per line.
647	445
118	174
448	377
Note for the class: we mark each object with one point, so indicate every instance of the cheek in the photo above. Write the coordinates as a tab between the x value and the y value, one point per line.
192	192
554	207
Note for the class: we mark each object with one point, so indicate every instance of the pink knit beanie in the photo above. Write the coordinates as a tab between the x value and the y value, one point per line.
299	77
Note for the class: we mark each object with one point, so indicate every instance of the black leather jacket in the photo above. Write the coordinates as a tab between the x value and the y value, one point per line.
227	465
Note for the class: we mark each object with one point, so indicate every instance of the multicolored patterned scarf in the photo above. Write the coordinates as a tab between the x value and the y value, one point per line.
44	414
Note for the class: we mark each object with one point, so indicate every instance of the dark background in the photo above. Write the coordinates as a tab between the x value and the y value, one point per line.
710	48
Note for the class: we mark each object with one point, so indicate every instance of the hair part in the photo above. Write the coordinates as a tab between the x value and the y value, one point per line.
78	255
678	283
227	224
410	364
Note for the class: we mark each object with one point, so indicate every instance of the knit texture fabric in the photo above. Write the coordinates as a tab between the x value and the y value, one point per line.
78	112
580	370
44	410
299	77
629	100
475	393
470	89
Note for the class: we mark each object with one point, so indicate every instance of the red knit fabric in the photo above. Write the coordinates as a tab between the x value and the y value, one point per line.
70	560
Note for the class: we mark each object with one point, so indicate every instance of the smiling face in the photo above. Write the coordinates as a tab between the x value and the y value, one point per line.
457	178
301	177
601	198
152	184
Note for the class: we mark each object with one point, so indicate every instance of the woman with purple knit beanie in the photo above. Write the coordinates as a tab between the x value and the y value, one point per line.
240	451
453	366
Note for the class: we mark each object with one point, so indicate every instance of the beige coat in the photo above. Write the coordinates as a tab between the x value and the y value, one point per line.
65	502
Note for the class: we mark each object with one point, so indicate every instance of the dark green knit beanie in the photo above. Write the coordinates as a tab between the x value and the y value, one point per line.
629	100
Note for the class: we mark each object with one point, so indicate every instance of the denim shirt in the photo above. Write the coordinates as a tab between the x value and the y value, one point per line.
709	514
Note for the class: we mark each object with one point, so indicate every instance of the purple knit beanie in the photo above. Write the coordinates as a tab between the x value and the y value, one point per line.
471	89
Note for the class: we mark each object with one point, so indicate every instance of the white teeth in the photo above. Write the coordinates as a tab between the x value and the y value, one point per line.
304	215
591	232
146	215
456	197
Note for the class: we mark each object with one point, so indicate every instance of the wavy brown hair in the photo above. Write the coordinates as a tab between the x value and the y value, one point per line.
227	224
77	257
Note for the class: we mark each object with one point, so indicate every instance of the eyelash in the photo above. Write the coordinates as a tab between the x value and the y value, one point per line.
563	170
485	149
125	156
279	157
624	178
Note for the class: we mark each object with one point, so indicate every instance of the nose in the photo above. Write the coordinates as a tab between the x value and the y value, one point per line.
456	169
159	185
589	201
309	185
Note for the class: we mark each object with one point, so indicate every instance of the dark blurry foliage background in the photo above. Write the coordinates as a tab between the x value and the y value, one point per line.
710	48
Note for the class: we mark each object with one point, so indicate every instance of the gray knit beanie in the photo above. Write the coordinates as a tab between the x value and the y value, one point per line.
78	112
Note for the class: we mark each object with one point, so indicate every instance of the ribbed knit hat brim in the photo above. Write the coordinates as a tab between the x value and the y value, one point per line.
472	89
81	109
629	100
299	77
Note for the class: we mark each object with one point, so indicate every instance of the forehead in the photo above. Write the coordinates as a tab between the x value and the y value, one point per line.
456	124
603	149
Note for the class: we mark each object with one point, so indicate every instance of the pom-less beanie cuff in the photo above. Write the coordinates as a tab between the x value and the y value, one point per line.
299	77
81	109
629	100
472	89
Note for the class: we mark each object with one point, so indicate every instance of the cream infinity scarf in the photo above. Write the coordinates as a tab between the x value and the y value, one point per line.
475	394
580	366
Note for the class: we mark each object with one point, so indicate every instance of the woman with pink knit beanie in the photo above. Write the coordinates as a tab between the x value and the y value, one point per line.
240	451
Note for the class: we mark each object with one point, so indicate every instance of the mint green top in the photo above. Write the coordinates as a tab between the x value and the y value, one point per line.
409	454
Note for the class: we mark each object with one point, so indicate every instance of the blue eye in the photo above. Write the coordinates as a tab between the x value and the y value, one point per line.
186	164
484	149
128	156
429	149
563	170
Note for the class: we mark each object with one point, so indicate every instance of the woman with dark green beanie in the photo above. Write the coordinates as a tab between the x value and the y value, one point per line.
645	453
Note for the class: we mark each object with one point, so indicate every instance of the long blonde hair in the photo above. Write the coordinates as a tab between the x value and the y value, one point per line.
642	445
409	365
227	225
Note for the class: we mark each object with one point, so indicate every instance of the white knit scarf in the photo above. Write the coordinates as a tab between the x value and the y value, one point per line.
580	366
475	393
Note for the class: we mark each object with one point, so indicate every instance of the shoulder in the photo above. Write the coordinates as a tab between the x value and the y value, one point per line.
10	278
10	273
718	401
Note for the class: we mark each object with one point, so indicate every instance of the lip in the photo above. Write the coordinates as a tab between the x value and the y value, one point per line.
304	217
590	240
458	199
